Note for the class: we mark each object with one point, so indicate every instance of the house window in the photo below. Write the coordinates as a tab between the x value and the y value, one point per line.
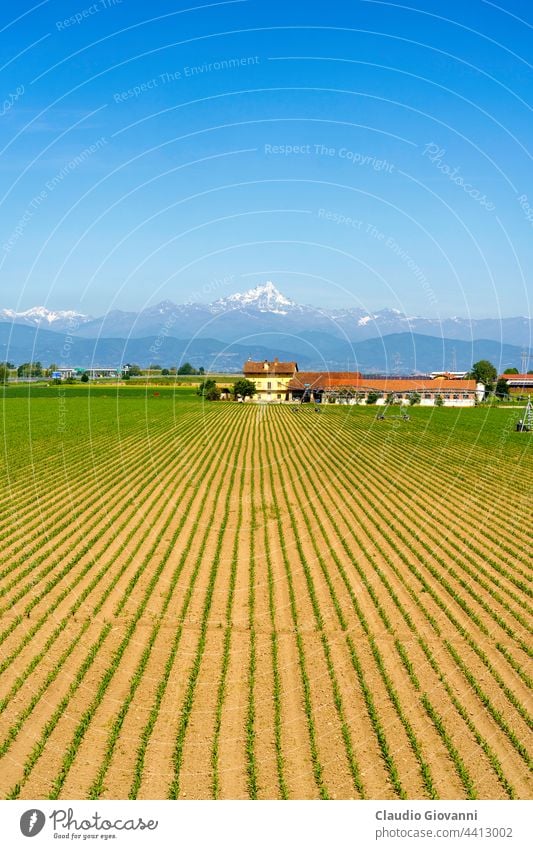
427	394
269	384
279	396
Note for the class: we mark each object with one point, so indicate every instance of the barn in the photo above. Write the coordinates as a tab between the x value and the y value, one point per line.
353	388
518	384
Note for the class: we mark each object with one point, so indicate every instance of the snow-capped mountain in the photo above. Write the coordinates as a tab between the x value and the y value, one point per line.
51	319
264	310
266	298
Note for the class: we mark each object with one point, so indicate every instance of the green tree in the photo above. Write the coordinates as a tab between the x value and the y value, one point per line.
209	390
511	371
85	377
484	372
206	386
414	398
372	397
201	370
502	388
4	373
244	387
133	369
439	401
165	372
30	370
187	368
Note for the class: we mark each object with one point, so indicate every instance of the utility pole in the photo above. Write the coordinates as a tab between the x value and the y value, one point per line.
454	360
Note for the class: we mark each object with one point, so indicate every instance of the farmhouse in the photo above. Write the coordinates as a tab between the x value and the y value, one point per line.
352	388
282	381
271	378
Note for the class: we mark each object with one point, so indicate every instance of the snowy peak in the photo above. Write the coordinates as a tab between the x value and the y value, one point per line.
265	298
37	316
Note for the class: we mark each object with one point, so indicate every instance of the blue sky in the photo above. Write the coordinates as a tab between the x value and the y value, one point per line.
358	154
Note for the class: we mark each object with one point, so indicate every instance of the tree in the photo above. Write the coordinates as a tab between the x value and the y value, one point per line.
30	370
439	401
244	387
502	388
372	397
209	390
154	367
187	368
4	373
511	371
201	370
414	398
484	372
205	385
165	372
85	377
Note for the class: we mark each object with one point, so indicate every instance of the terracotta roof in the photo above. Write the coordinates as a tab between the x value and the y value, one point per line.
324	379
274	367
520	378
353	380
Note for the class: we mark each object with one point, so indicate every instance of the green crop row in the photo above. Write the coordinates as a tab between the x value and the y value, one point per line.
188	701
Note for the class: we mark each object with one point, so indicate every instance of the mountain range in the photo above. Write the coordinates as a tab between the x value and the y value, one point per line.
261	323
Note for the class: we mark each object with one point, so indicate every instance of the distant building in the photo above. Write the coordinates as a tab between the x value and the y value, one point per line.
352	388
94	372
459	375
519	384
271	378
282	381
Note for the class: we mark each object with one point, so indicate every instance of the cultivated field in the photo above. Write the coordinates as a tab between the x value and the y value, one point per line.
223	601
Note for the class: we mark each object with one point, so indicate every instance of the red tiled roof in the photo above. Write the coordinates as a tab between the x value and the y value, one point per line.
520	378
353	380
324	379
274	367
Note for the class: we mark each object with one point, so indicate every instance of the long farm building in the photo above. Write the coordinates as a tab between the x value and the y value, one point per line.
277	381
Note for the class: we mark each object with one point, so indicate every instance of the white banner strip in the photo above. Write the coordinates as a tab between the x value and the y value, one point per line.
268	825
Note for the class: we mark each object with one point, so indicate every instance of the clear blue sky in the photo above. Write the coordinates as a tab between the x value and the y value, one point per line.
356	153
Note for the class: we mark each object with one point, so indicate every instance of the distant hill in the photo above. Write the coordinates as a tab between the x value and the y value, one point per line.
400	353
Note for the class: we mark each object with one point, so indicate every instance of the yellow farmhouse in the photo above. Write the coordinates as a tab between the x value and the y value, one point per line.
271	379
